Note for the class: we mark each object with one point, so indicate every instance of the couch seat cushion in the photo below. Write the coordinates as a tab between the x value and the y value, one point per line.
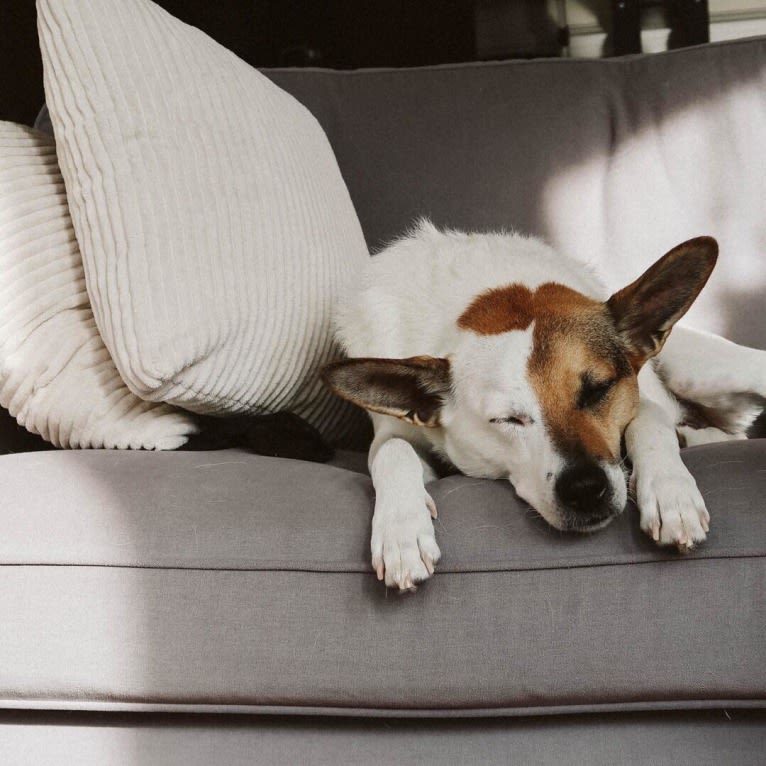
229	581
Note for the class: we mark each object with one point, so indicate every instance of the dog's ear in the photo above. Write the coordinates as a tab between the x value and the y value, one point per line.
412	389
646	310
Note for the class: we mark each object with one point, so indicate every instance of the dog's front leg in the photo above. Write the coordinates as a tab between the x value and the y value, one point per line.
403	544
670	505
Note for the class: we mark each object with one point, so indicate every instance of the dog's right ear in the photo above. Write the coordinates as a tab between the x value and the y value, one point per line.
411	389
646	310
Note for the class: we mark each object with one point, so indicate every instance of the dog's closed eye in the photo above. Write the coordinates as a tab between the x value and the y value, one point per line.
593	392
517	419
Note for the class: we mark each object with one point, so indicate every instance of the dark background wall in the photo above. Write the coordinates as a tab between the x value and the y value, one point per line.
21	73
268	33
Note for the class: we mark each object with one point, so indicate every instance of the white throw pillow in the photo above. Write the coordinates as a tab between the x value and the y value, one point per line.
56	377
215	227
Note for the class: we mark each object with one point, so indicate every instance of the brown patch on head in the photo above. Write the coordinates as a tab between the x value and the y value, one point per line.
584	382
500	310
515	307
578	367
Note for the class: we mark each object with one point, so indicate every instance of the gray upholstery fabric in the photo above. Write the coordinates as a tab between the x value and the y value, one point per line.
614	161
230	581
683	739
473	145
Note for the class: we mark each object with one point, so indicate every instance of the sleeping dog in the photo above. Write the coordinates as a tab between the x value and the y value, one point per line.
510	361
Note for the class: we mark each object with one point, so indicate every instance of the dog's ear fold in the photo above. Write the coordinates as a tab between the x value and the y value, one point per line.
646	310
412	389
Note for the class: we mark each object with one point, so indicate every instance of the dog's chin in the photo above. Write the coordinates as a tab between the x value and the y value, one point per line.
587	527
565	521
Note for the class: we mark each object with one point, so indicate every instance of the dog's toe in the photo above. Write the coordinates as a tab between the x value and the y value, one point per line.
404	548
404	568
650	524
673	512
682	529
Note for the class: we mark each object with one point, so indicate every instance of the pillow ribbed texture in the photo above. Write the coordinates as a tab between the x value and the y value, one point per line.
215	227
56	377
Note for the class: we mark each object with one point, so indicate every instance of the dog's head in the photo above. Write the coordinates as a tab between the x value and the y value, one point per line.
541	384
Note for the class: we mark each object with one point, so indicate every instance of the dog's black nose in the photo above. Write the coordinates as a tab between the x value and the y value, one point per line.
582	488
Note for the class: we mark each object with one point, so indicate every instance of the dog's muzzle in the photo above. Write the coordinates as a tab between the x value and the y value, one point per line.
583	493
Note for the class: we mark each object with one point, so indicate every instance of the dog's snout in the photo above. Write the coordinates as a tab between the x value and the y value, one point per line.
582	489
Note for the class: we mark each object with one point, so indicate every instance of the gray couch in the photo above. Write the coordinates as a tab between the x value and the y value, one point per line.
219	607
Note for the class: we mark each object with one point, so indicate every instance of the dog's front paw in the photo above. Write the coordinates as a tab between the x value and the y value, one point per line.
403	545
671	508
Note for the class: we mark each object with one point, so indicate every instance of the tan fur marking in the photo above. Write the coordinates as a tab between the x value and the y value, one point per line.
500	310
515	307
564	348
553	298
573	334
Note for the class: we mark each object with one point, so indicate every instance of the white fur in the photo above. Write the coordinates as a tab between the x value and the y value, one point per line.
407	304
411	295
670	506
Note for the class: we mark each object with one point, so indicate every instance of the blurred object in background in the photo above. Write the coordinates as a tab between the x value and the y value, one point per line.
348	34
616	27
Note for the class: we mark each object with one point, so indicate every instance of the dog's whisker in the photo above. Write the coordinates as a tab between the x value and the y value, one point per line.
460	487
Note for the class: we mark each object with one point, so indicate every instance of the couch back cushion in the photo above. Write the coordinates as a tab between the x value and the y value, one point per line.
612	161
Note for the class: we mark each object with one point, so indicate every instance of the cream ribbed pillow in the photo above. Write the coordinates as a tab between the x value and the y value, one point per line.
215	227
56	376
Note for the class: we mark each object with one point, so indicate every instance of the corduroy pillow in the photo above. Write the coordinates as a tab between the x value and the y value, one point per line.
56	377
215	227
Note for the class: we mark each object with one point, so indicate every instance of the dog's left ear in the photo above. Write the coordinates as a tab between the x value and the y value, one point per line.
646	310
411	389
